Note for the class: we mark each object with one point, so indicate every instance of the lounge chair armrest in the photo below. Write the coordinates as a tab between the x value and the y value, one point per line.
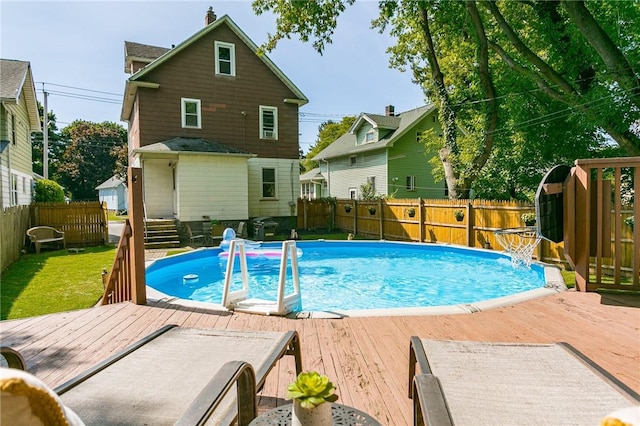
13	357
429	404
231	373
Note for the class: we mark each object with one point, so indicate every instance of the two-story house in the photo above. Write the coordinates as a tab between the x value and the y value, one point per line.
213	123
19	118
384	151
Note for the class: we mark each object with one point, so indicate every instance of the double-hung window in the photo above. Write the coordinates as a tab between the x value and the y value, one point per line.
268	183
225	58
191	113
268	122
411	183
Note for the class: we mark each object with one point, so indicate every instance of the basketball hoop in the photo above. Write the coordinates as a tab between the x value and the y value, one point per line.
519	243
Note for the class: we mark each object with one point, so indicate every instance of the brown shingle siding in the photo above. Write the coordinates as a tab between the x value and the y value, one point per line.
190	74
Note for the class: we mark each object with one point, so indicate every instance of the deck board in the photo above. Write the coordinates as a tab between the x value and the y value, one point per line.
367	358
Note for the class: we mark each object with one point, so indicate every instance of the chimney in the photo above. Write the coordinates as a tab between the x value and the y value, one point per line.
389	111
210	17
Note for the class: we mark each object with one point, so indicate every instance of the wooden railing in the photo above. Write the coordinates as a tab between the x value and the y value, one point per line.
126	280
117	283
596	238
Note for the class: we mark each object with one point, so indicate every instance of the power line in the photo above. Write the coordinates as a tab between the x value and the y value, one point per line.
79	88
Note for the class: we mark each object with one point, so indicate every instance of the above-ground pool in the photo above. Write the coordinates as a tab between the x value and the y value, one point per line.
340	276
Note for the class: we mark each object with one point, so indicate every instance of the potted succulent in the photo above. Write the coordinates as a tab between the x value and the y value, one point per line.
529	218
459	215
411	212
312	395
372	210
347	208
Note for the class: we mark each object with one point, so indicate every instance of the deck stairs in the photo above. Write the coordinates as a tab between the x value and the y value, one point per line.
161	233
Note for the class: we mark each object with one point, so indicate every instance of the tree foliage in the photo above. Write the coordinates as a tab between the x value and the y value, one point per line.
520	86
92	153
328	132
48	191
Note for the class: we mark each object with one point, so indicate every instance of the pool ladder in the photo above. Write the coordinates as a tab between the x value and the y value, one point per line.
239	300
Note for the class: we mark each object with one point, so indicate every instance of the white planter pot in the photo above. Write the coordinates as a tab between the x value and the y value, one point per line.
318	416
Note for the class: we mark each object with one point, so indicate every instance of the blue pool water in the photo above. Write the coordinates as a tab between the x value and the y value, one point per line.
350	275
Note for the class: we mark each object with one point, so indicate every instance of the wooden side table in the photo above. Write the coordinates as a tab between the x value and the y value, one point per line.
342	415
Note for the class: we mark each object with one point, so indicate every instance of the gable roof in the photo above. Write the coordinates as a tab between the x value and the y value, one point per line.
141	53
131	86
16	77
112	182
399	124
312	175
194	145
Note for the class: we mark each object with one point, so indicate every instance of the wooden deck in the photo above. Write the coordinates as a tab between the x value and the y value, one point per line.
366	357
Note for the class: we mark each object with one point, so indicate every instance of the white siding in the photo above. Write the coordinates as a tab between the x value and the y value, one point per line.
212	185
158	188
342	176
287	187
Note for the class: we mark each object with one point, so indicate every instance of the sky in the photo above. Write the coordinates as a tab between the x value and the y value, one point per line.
77	49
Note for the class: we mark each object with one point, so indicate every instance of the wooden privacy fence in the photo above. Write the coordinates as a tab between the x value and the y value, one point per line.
435	221
13	228
84	223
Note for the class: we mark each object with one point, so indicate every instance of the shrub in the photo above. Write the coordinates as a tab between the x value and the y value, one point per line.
48	191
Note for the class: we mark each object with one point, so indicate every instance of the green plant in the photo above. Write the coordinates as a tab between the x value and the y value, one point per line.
312	389
347	207
411	212
48	191
630	221
528	217
458	214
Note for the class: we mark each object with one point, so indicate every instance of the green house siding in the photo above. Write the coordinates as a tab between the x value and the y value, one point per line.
407	158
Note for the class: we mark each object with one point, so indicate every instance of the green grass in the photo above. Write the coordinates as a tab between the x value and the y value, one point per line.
111	215
53	281
569	277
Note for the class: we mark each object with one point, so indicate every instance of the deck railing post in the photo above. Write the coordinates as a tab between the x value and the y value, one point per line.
138	283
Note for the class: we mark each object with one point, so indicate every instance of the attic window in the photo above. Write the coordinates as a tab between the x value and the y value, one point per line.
225	58
191	117
369	136
268	122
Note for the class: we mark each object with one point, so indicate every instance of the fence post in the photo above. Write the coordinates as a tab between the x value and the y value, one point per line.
381	220
138	284
470	224
355	217
420	221
304	213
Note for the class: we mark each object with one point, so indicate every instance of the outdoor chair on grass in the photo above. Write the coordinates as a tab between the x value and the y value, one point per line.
178	375
474	383
40	235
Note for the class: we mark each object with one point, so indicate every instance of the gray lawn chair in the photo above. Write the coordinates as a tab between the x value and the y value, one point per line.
177	375
476	383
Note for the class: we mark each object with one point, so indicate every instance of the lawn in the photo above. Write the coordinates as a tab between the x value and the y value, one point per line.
53	281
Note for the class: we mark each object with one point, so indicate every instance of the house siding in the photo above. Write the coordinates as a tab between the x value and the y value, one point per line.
158	189
190	74
343	177
408	158
287	184
18	155
225	195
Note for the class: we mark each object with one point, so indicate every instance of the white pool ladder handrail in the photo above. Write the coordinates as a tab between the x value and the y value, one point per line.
239	300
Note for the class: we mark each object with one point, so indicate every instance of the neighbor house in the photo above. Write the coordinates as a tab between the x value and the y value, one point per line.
385	151
312	184
114	193
213	123
19	118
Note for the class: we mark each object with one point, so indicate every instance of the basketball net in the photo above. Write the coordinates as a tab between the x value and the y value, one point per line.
519	243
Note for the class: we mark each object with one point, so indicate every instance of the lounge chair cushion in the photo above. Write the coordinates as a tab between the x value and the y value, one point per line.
27	401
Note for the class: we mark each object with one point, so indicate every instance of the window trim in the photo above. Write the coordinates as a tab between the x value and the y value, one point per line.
183	111
232	57
371	133
262	130
275	183
410	183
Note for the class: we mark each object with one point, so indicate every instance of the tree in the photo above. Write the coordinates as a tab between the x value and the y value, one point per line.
91	155
485	63
55	146
328	132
